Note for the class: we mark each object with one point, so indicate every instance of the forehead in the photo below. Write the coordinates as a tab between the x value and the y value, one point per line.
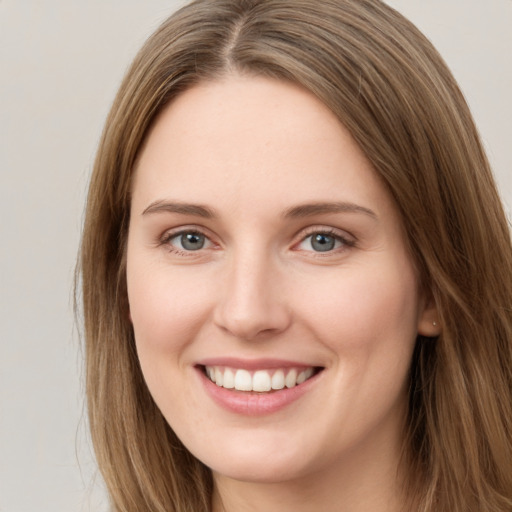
243	139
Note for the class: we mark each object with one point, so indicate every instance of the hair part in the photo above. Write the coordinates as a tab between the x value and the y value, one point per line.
392	91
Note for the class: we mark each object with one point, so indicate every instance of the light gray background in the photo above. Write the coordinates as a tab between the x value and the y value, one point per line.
60	64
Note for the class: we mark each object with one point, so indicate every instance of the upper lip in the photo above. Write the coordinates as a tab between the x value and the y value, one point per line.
253	364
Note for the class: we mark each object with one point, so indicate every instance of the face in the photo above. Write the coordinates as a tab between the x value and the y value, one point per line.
265	254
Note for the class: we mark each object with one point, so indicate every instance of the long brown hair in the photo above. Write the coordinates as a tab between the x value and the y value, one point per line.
390	88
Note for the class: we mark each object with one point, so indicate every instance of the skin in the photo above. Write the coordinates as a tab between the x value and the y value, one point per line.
250	150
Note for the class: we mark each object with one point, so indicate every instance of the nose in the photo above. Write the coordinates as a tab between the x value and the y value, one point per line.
253	302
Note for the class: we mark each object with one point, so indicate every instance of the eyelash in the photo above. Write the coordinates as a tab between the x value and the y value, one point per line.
345	241
166	241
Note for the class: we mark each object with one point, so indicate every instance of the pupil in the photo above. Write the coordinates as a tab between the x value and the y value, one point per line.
322	242
192	241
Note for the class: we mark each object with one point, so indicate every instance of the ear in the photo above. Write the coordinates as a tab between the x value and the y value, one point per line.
429	324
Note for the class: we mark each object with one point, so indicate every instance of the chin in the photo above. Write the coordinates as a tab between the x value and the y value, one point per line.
255	462
257	459
259	472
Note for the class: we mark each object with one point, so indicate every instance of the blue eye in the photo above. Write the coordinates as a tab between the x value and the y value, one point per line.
322	242
188	241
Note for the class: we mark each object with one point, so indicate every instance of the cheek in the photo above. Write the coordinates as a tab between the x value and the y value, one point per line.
369	323
363	304
367	319
167	309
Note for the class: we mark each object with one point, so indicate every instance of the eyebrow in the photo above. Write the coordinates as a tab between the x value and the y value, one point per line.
308	210
182	208
300	211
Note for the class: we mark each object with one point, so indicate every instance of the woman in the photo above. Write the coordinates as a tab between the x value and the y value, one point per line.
296	271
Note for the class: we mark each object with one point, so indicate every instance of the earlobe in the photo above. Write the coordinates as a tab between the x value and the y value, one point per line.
428	322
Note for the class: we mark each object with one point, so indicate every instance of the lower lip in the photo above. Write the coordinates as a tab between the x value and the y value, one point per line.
253	403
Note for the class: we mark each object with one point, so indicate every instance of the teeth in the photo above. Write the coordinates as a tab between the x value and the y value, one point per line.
243	380
304	375
278	380
219	377
301	377
291	379
229	379
260	381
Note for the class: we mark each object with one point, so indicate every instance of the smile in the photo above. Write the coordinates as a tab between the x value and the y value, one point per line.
255	387
261	381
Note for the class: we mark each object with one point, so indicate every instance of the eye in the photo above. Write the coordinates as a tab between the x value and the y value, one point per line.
187	241
323	241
